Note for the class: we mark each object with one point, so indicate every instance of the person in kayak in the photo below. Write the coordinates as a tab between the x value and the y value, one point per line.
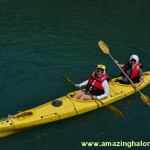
96	87
133	69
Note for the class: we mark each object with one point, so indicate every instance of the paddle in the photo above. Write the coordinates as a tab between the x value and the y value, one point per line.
105	49
111	108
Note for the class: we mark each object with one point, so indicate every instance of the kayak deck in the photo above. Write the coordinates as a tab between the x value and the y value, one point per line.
65	107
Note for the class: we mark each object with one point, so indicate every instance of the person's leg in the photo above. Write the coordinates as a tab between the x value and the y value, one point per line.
124	80
121	82
78	95
85	97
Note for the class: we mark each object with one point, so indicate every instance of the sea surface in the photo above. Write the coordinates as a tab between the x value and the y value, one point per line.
42	39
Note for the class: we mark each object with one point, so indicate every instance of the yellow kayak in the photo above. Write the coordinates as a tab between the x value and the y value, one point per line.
65	107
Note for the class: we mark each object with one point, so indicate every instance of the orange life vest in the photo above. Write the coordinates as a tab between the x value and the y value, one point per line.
94	85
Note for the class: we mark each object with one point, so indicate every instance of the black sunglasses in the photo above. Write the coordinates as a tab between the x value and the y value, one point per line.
133	60
100	71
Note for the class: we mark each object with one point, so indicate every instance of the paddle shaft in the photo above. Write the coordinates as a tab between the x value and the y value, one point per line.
125	74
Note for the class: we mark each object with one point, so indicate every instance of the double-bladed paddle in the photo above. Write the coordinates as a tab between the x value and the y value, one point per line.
111	108
105	49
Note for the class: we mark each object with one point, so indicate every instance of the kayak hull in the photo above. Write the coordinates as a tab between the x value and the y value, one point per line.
65	107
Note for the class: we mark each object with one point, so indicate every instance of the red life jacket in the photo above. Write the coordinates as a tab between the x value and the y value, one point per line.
135	70
96	87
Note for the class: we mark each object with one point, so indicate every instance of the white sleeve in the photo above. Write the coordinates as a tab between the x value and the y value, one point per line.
84	83
106	90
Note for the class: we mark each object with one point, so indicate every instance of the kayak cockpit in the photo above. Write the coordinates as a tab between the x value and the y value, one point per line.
114	81
24	115
70	96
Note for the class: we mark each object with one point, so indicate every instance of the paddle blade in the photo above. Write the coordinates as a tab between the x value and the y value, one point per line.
114	110
103	47
64	77
145	99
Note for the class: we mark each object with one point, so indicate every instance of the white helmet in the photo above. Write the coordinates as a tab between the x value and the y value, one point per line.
135	57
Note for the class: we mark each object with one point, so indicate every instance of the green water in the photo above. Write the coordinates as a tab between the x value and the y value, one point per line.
40	40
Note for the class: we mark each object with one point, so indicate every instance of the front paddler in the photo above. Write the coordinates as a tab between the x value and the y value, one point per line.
96	87
133	69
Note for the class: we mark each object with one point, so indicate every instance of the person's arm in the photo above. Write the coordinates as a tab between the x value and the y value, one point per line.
82	84
141	77
121	65
106	91
142	80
